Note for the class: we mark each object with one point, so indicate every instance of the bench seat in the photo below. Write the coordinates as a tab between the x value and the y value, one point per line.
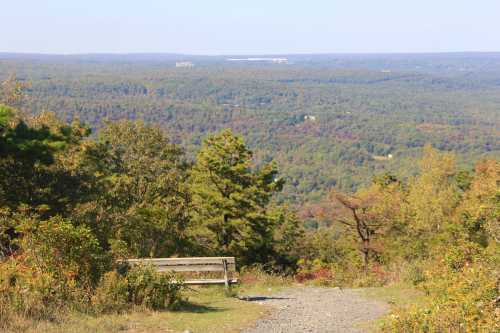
193	264
210	281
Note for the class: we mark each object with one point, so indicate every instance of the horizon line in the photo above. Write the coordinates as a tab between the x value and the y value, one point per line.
242	54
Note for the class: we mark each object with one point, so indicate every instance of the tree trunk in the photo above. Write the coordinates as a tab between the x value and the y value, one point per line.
364	234
225	236
366	253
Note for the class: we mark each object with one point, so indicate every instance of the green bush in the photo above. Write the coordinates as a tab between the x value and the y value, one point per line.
140	286
112	294
153	290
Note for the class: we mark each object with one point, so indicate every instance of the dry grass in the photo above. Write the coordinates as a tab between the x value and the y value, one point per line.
205	310
397	295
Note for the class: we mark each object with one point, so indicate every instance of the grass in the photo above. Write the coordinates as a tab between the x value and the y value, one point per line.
205	310
208	309
397	295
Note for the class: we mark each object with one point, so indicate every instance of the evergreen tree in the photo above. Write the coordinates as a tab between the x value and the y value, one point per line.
230	199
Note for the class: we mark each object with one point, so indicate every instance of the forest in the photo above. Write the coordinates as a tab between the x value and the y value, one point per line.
351	177
327	121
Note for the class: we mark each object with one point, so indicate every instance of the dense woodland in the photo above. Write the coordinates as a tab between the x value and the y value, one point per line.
363	108
286	168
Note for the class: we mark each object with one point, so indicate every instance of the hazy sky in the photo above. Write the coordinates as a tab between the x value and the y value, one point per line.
249	26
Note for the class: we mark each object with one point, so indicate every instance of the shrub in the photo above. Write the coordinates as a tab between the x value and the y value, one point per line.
140	286
153	290
51	271
341	274
58	268
32	293
316	271
415	275
463	297
59	247
112	294
257	274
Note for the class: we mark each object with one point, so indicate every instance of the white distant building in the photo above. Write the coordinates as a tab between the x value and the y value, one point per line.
280	60
309	117
184	64
271	60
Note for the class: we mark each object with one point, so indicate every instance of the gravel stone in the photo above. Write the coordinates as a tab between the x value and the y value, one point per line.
317	309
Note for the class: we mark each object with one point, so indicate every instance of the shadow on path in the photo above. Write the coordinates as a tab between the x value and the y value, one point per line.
261	298
198	308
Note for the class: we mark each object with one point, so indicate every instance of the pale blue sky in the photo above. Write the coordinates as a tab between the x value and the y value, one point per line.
249	27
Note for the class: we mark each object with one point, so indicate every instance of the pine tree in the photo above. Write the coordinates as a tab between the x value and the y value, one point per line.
230	198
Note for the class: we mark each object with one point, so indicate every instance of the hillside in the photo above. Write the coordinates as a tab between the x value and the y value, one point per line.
329	121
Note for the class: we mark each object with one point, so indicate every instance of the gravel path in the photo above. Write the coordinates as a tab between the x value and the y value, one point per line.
315	309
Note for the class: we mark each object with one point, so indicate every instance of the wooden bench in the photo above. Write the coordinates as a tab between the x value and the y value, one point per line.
195	264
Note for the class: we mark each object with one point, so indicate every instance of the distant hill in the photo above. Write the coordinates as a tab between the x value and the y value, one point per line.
421	62
329	120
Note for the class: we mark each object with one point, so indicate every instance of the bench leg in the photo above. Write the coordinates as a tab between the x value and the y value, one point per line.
226	278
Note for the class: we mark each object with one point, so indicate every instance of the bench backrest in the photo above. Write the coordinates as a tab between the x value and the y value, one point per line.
193	264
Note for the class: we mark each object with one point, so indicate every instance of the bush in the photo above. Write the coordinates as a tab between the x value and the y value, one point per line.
141	286
51	272
316	271
112	294
415	275
340	274
59	247
29	292
57	268
151	289
463	297
256	274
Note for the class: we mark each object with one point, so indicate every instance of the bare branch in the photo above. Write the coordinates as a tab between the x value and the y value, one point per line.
345	222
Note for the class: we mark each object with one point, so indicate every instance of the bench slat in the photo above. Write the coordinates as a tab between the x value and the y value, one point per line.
194	268
183	261
210	281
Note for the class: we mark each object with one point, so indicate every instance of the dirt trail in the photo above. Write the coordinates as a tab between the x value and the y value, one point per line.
316	309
